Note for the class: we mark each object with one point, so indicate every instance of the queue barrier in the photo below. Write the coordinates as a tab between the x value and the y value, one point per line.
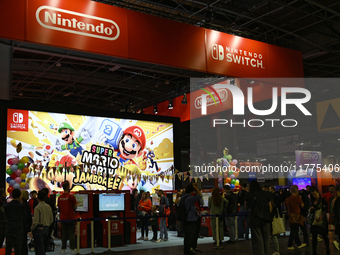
110	218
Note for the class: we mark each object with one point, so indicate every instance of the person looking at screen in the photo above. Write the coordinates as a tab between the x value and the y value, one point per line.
67	205
144	207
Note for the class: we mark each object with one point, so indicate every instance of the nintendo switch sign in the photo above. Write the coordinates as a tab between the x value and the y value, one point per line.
17	120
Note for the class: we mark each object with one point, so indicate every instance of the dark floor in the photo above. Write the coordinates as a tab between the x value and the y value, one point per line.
241	247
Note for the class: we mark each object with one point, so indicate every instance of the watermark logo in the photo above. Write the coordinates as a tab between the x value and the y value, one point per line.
239	105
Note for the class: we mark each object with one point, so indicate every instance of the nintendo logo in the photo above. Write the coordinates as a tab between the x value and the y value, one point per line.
223	93
77	23
18	117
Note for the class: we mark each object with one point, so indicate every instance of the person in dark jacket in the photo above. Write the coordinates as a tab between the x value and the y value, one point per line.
15	214
231	212
51	203
2	217
163	204
28	220
276	212
304	212
336	221
320	223
190	225
259	204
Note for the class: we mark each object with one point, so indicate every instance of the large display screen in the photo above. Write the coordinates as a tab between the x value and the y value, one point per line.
82	202
302	182
85	150
205	197
111	202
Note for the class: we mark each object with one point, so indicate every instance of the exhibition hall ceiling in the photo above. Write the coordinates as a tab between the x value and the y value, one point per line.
52	75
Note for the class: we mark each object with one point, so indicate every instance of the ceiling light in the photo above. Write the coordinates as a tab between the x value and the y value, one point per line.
167	82
184	100
21	94
58	64
155	111
170	106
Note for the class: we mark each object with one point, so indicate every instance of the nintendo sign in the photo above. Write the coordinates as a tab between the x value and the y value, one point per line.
77	23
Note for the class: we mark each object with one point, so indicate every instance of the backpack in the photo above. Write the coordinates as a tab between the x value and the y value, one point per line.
182	211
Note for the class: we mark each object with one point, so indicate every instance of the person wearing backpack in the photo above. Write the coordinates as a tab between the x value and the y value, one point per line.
191	216
259	204
163	206
231	210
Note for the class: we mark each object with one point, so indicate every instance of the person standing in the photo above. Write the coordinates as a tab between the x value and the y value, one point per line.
259	204
49	201
190	224
144	207
2	217
328	196
67	205
242	219
179	224
33	200
43	218
231	212
154	222
133	199
15	215
293	206
217	206
319	225
336	220
163	204
28	221
276	212
304	213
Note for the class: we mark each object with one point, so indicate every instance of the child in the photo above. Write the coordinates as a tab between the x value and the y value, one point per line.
154	223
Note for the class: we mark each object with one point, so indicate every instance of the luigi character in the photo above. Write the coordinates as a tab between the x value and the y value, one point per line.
72	144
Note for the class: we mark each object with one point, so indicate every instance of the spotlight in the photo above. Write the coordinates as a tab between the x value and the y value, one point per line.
155	111
170	106
184	100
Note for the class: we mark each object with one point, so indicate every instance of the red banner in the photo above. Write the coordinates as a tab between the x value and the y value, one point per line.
99	28
78	24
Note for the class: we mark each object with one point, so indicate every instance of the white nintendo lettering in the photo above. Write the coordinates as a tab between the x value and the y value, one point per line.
80	24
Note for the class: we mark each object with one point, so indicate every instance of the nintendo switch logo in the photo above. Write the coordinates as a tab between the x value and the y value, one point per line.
218	52
18	117
17	120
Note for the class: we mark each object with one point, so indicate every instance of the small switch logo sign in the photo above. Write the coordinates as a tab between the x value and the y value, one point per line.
17	120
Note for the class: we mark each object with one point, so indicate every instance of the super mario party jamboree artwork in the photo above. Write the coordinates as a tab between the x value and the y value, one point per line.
93	153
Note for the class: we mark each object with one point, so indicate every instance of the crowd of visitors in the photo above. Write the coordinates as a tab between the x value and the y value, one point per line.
257	208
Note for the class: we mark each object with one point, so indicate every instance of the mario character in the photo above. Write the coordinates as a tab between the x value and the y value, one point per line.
151	155
132	144
72	144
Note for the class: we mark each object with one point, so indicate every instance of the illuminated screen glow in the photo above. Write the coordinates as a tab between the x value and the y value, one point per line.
302	182
52	141
111	202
